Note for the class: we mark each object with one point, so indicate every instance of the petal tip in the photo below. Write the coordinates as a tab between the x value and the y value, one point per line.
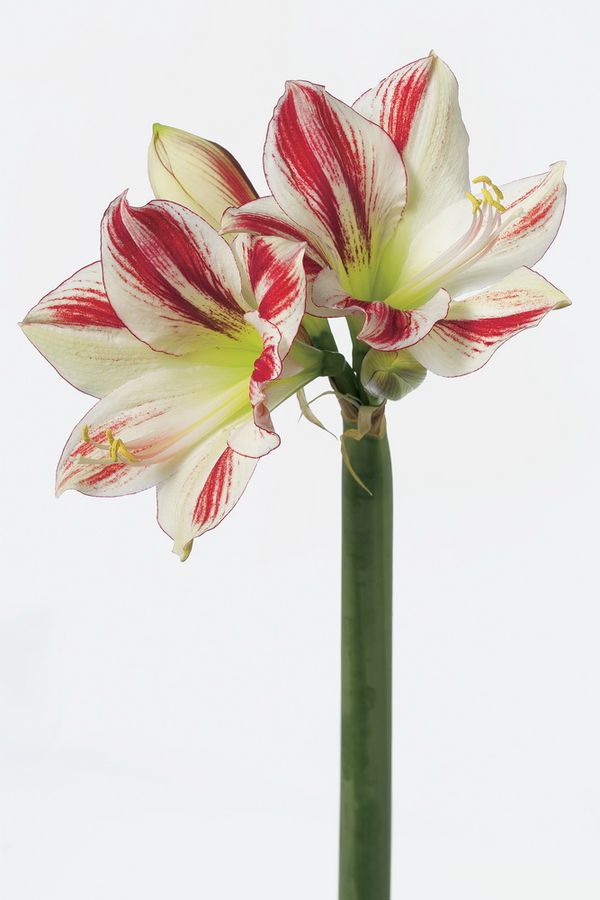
559	167
183	550
563	303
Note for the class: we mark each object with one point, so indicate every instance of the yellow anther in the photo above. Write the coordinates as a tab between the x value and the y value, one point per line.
89	439
475	201
119	447
116	449
487	197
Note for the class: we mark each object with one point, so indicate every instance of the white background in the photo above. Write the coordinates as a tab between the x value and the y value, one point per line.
171	731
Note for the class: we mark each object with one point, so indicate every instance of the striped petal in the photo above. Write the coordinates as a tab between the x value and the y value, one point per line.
135	437
534	211
264	217
338	176
385	328
274	273
208	484
203	490
196	173
171	278
476	327
80	334
418	107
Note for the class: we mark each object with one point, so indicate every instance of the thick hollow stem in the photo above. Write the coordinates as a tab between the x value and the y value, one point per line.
365	810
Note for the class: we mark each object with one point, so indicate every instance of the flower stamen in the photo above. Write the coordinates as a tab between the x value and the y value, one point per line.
476	202
116	448
486	195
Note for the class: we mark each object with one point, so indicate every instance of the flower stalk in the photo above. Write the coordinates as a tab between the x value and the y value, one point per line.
366	663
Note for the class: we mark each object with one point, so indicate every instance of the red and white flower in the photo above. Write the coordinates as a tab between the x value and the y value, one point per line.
380	192
189	343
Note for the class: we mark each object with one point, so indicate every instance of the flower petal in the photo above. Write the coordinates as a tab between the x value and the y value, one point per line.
158	418
391	376
80	334
273	270
418	107
202	491
476	327
171	278
275	274
265	217
385	328
534	211
334	173
197	173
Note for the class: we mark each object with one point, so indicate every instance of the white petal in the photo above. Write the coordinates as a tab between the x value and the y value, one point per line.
534	211
202	491
159	417
418	107
476	327
335	174
79	333
171	278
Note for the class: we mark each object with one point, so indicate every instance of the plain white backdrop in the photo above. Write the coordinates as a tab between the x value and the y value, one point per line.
171	731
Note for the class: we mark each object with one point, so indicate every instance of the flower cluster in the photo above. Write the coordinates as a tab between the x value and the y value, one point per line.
209	305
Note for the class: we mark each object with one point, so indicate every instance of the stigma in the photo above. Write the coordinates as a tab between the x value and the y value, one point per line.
487	197
115	448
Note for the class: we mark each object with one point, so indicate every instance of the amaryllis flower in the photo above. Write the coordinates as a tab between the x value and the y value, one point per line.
382	195
189	344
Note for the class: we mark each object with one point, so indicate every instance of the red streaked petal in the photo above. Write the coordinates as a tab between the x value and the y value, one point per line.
80	334
170	277
159	417
395	102
265	217
477	326
255	438
203	490
385	328
534	211
80	301
275	273
197	173
334	173
418	107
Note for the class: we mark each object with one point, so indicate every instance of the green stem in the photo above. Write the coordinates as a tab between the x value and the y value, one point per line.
359	351
365	810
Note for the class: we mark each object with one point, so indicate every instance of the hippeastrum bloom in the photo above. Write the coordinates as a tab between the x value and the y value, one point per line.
190	340
189	343
380	192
